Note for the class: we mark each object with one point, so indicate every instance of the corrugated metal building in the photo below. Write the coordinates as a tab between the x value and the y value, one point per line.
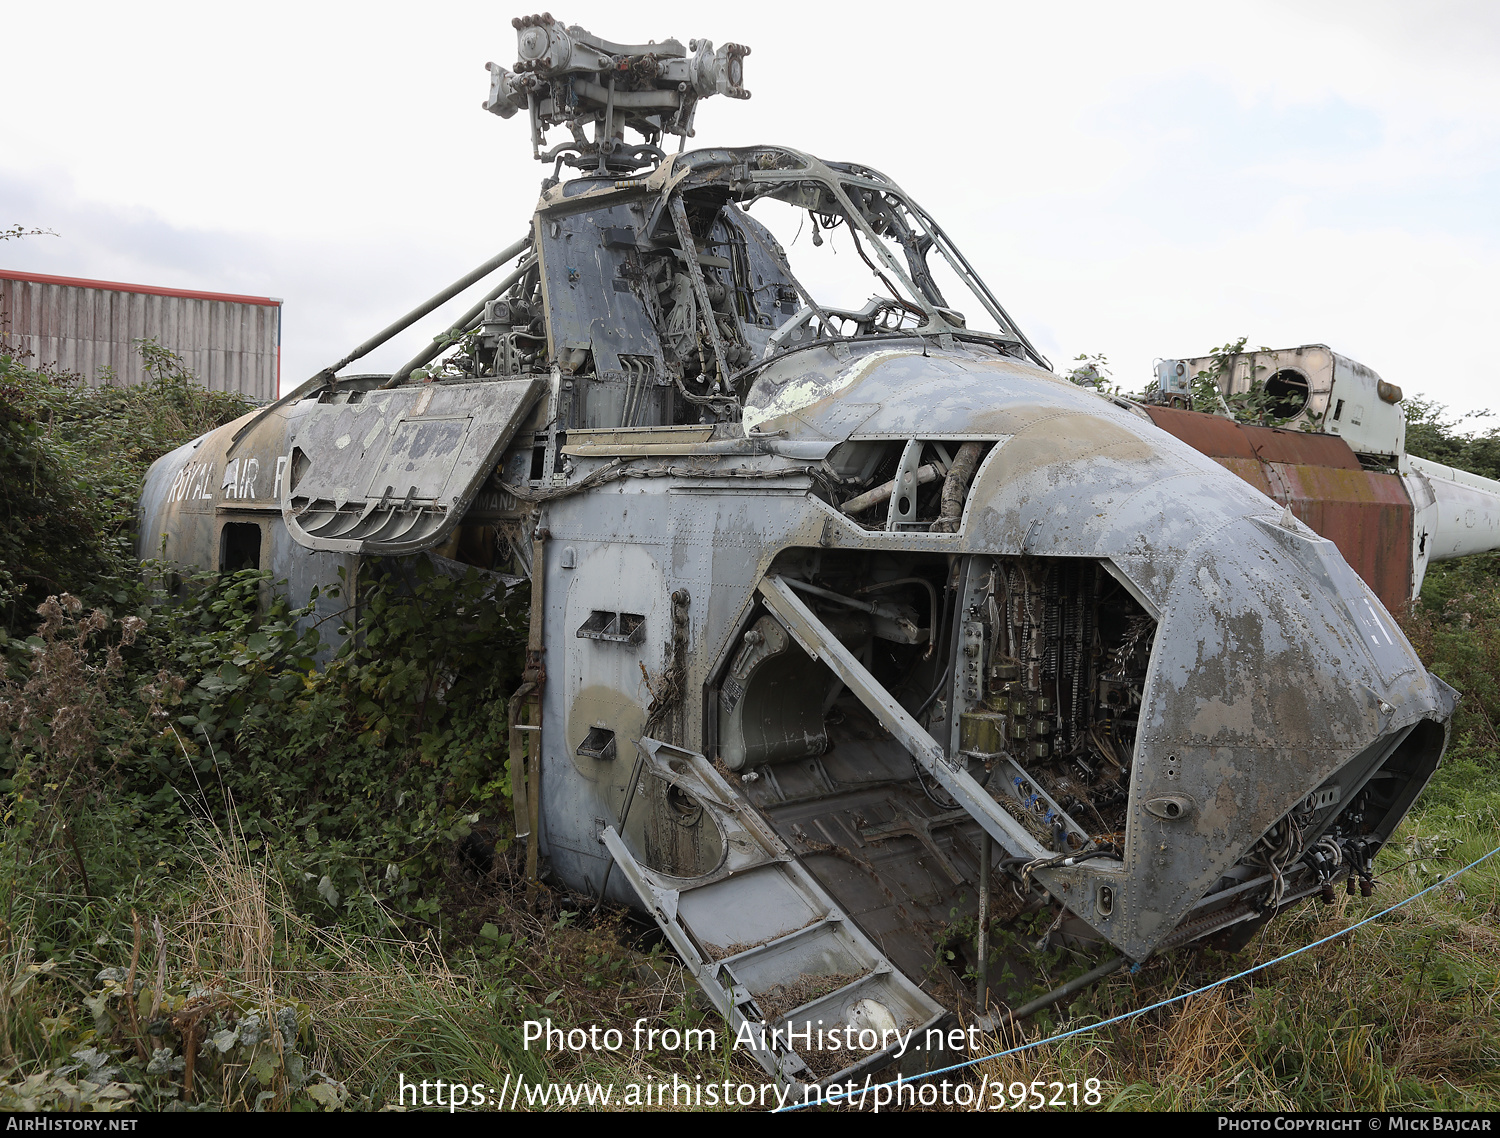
231	343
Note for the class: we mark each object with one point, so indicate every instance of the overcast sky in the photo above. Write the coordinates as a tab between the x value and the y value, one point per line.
1138	180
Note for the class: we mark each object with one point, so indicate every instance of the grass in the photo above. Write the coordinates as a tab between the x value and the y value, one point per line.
289	1004
307	944
229	998
1401	1014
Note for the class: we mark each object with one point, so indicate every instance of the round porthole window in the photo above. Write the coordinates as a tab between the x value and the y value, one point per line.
1287	389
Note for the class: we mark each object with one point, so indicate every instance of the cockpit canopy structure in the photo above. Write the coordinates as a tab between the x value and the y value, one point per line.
682	279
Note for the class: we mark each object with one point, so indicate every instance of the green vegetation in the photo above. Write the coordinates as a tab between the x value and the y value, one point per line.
1430	435
229	878
1255	405
299	877
232	879
1093	372
71	464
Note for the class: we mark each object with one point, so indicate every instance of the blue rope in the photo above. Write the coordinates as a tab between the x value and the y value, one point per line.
837	1096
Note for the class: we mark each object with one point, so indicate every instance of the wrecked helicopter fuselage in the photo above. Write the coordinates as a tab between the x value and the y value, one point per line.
838	611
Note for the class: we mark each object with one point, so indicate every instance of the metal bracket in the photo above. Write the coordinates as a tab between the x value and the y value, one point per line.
903	511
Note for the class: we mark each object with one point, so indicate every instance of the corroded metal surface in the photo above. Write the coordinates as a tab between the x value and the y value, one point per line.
1366	513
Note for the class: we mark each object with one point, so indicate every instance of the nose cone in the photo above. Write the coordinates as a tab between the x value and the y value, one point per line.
1274	668
1274	665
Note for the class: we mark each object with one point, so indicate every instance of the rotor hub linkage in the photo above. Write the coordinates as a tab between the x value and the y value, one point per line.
570	78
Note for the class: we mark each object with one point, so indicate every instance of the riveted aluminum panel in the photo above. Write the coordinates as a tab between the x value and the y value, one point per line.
1274	663
392	473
